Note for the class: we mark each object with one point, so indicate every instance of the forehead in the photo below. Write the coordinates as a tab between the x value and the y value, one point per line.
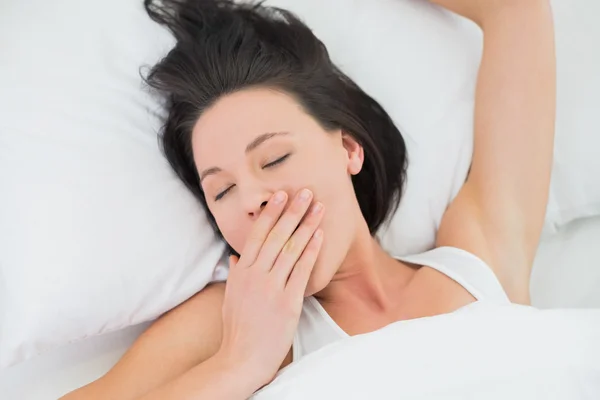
237	118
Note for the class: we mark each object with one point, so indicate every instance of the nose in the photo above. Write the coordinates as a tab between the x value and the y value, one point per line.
254	199
255	213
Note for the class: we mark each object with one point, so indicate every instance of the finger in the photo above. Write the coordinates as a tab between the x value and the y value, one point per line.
294	247
233	260
263	226
283	230
296	284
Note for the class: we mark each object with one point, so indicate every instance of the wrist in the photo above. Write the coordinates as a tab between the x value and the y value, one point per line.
244	373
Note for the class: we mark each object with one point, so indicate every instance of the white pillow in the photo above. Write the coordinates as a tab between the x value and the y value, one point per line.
575	189
96	233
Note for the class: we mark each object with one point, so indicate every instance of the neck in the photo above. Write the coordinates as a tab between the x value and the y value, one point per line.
368	279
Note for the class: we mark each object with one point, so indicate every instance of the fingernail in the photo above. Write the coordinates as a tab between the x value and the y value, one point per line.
318	234
279	197
304	194
317	208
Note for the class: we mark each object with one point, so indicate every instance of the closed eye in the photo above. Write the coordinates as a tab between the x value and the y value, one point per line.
223	193
278	161
269	165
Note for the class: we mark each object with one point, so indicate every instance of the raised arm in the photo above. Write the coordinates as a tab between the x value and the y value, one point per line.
499	213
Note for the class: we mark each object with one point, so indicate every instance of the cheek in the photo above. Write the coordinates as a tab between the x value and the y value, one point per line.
339	221
335	190
233	230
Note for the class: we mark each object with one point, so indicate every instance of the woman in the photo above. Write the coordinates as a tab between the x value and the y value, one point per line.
298	167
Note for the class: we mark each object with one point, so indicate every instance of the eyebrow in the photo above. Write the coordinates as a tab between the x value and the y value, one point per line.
260	139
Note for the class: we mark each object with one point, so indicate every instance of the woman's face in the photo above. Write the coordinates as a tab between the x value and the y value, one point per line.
296	153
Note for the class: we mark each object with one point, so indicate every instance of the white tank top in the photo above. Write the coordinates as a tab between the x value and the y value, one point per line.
317	329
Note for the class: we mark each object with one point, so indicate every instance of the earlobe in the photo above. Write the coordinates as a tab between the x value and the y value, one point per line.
355	154
355	165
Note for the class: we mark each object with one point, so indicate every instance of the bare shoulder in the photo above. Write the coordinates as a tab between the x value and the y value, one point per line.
194	326
177	341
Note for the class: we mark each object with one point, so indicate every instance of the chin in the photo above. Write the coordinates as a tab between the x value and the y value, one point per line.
328	261
310	291
319	279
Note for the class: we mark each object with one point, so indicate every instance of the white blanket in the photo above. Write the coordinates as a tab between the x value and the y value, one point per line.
482	351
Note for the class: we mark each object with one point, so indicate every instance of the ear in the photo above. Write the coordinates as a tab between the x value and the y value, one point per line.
355	152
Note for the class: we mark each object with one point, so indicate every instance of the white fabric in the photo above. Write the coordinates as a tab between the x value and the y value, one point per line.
317	329
566	272
486	351
569	258
468	270
96	233
575	189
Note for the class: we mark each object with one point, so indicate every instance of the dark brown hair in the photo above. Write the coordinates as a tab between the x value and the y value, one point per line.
223	46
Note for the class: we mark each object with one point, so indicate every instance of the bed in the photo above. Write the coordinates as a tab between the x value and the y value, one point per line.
566	274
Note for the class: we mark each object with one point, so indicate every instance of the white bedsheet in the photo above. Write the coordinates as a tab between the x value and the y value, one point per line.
482	351
566	274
